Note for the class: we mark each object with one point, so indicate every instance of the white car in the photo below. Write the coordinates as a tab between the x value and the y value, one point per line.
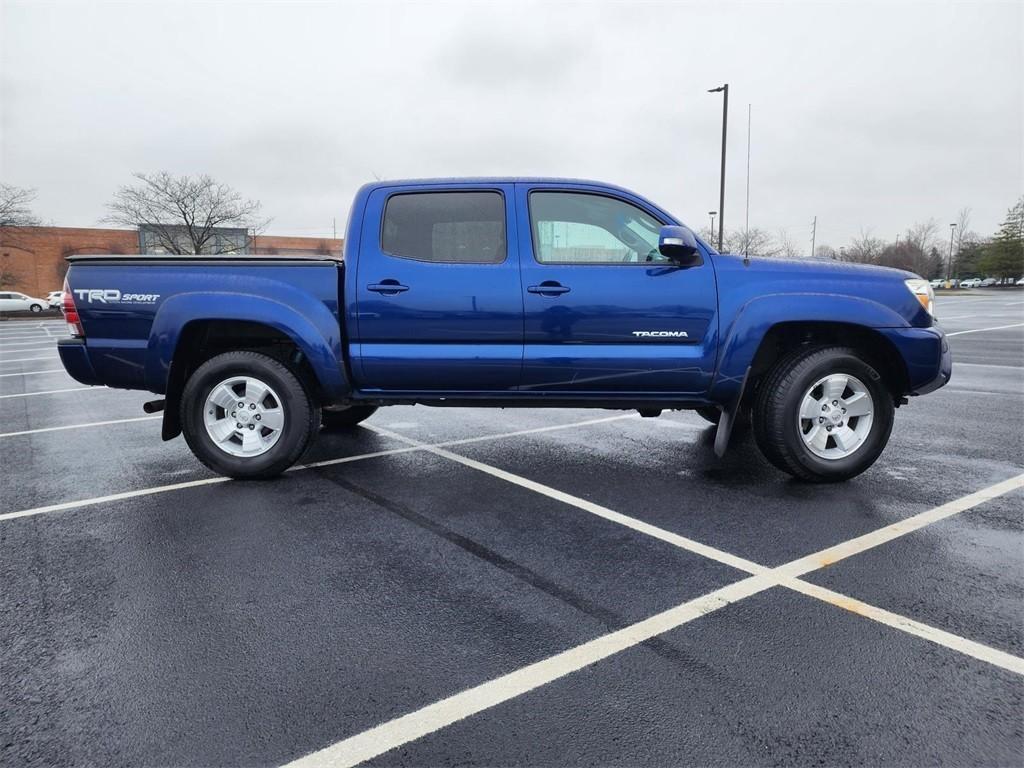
937	283
988	281
55	299
972	282
10	301
1020	282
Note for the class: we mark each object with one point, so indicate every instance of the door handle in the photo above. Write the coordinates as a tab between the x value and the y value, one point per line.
549	288
387	287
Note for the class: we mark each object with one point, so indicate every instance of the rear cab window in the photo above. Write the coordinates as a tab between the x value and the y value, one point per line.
445	227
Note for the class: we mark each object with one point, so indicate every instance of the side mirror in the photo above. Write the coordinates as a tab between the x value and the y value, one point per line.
679	246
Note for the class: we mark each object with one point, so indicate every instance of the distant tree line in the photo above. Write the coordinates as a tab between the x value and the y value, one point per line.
190	214
921	249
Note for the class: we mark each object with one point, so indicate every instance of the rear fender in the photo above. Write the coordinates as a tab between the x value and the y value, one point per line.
745	333
314	330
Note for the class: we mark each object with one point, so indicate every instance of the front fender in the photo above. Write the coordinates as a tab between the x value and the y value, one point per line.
747	330
314	330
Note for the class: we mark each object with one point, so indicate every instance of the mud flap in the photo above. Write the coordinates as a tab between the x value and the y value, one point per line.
728	418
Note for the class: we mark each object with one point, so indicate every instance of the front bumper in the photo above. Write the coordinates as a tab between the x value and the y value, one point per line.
925	351
75	358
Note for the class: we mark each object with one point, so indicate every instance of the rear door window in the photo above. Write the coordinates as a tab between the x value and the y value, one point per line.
445	227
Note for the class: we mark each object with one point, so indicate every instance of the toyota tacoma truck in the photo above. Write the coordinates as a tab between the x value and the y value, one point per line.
507	292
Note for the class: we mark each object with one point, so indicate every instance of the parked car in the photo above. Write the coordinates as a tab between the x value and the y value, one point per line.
937	283
988	282
1020	282
11	301
55	299
971	282
508	293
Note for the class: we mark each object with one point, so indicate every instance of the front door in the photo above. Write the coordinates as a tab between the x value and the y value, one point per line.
605	312
438	299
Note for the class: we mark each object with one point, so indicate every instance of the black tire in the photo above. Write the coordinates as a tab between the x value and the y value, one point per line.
301	415
342	420
776	420
36	308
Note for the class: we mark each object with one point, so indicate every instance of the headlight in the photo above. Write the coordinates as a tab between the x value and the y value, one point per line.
923	292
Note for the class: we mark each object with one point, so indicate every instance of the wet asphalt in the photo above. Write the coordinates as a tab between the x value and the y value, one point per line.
231	623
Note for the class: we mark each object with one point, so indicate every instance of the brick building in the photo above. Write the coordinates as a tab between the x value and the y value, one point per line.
32	258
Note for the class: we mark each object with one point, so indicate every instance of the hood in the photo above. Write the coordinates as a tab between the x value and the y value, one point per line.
740	283
812	267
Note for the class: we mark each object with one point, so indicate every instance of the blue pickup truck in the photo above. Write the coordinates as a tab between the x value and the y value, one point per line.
507	292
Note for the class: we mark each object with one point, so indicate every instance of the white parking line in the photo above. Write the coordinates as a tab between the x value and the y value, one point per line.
49	392
905	624
387	736
964	391
47	347
30	373
63	506
78	426
5	332
434	717
792	570
987	365
27	359
587	506
25	343
980	330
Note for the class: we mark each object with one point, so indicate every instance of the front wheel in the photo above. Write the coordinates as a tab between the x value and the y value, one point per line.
823	415
246	415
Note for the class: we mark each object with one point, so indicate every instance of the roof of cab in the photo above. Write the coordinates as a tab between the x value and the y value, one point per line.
496	180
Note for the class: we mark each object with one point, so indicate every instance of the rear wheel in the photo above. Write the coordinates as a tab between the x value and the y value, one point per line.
346	418
36	308
246	415
823	415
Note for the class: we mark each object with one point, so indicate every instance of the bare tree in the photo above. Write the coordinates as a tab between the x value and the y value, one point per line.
787	248
187	214
826	252
864	249
752	242
963	228
923	235
14	207
15	212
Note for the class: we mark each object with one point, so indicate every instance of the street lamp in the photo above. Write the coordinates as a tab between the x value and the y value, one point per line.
712	214
721	186
949	261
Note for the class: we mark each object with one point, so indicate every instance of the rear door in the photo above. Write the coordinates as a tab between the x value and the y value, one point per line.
438	298
605	312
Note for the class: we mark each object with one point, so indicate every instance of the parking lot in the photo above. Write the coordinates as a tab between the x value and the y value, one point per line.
502	587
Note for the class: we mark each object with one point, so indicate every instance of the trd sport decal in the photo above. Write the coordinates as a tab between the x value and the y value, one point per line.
114	296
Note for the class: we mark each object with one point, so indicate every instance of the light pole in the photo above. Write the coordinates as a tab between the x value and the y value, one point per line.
949	261
721	185
712	214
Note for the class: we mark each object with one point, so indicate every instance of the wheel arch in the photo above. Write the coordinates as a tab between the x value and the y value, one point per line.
770	326
201	338
782	339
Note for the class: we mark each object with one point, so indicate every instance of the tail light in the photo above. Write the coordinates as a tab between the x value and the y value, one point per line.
71	313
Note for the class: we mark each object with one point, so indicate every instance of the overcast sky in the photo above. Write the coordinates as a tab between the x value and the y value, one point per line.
869	116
